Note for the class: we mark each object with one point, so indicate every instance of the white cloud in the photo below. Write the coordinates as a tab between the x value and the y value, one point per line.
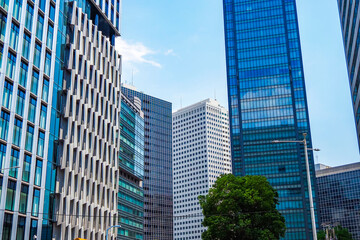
135	52
170	52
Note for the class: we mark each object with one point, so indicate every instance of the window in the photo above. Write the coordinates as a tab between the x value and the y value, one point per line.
20	232
43	116
29	138
14	36
14	162
50	35
1	183
45	90
17	131
33	228
23	74
17	9
41	143
4	125
34	82
2	25
38	172
32	110
7	95
42	4
47	63
37	54
23	198
26	168
1	53
29	16
10	195
10	70
35	204
39	27
8	219
20	102
26	45
2	157
52	12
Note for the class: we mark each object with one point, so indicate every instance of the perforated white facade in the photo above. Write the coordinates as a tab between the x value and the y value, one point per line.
201	153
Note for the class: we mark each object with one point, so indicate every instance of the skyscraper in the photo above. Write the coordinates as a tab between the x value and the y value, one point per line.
60	108
201	153
158	204
131	162
339	197
267	101
350	20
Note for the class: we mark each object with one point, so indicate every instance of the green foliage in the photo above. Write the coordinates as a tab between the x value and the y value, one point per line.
242	208
340	232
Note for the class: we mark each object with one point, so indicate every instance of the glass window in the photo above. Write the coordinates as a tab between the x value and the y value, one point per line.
45	90
7	95
26	168
14	36
38	172
23	198
17	9
35	204
14	162
50	36
39	27
42	5
43	116
29	16
10	195
20	102
1	53
20	232
41	142
32	109
26	45
1	183
52	12
17	131
34	82
23	74
47	63
33	228
37	54
4	125
2	156
29	138
2	25
10	70
8	219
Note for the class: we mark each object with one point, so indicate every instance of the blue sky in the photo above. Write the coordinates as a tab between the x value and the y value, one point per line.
174	50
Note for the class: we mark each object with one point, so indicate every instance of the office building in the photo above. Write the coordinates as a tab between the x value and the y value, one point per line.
350	20
158	205
339	197
60	88
267	101
201	153
131	162
320	166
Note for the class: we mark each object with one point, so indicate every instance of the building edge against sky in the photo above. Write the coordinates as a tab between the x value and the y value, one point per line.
349	21
201	153
158	178
267	101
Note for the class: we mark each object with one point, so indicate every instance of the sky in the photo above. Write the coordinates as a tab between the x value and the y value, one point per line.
175	50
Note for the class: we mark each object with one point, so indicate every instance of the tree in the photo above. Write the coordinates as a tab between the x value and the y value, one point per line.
340	233
242	208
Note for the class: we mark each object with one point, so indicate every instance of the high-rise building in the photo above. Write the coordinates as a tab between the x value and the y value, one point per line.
158	204
131	162
59	118
339	197
201	153
267	101
350	20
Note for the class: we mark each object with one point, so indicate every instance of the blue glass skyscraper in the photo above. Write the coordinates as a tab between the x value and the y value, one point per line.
267	101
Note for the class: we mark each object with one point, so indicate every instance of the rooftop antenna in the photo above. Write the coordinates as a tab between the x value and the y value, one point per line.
215	94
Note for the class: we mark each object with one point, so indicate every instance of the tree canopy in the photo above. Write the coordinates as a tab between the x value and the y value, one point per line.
242	208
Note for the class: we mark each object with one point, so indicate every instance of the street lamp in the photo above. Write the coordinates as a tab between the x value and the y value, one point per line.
115	226
308	179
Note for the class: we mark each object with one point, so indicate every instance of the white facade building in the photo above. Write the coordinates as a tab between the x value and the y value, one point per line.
201	153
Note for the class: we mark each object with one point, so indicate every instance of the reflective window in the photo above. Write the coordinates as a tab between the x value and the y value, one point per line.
1	183
2	25
14	36
8	218
43	116
37	54
29	16
7	95
14	162
23	198
1	53
26	45
32	110
39	27
38	172
45	90
26	168
10	195
2	156
34	82
33	228
41	142
10	69
42	5
47	63
23	74
52	12
20	232
50	36
17	131
17	9
35	204
29	138
20	102
4	125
